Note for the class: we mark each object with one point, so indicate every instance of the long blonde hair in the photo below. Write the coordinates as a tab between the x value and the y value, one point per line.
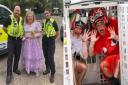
28	13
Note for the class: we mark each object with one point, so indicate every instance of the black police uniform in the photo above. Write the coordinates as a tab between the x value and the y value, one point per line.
14	49
48	45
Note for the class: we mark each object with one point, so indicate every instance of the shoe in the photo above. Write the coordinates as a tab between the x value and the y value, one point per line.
8	79
46	72
52	79
37	74
17	72
111	80
115	81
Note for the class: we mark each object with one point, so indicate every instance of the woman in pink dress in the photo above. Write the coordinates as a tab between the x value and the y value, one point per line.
31	53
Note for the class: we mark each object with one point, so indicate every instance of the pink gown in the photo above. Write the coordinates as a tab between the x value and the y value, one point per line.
31	53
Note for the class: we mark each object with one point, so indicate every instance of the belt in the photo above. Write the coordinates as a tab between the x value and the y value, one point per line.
52	37
14	37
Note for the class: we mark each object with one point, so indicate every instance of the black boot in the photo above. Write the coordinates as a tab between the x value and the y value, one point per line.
111	80
115	81
8	79
47	71
52	79
17	72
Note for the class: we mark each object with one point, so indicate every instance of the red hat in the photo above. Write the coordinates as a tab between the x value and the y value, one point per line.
97	14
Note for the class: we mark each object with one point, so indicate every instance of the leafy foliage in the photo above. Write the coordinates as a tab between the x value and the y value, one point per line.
36	5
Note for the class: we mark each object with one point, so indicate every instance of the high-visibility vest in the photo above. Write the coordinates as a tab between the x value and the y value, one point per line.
15	29
49	30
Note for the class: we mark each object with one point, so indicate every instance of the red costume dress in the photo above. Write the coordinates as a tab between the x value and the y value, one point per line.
111	47
104	45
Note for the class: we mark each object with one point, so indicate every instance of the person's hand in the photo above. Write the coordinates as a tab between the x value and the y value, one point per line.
33	33
93	36
86	36
112	33
23	39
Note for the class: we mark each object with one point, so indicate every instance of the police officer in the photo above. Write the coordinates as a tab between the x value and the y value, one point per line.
13	26
50	32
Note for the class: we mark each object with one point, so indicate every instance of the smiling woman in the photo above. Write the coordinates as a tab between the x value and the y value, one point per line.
4	11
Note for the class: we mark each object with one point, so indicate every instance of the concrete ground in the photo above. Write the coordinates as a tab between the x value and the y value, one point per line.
32	79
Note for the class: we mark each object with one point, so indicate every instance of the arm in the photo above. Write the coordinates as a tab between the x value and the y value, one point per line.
42	28
56	29
85	38
38	32
116	38
72	21
91	49
6	22
92	42
72	44
5	29
57	34
72	49
113	34
85	49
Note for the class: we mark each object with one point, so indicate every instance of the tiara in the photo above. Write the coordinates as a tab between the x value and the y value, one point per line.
98	13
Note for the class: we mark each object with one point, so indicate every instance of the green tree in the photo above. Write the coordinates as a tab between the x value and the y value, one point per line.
31	4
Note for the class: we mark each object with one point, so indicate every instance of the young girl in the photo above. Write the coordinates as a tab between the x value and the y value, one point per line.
31	53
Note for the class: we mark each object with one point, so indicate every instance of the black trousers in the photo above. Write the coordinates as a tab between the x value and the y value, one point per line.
14	50
48	45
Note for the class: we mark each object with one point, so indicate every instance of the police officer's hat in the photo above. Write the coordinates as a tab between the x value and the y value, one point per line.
79	24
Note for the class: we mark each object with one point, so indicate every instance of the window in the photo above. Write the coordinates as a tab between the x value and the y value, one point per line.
3	14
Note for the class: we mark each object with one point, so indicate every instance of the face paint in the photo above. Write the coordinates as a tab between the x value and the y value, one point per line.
78	30
100	26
